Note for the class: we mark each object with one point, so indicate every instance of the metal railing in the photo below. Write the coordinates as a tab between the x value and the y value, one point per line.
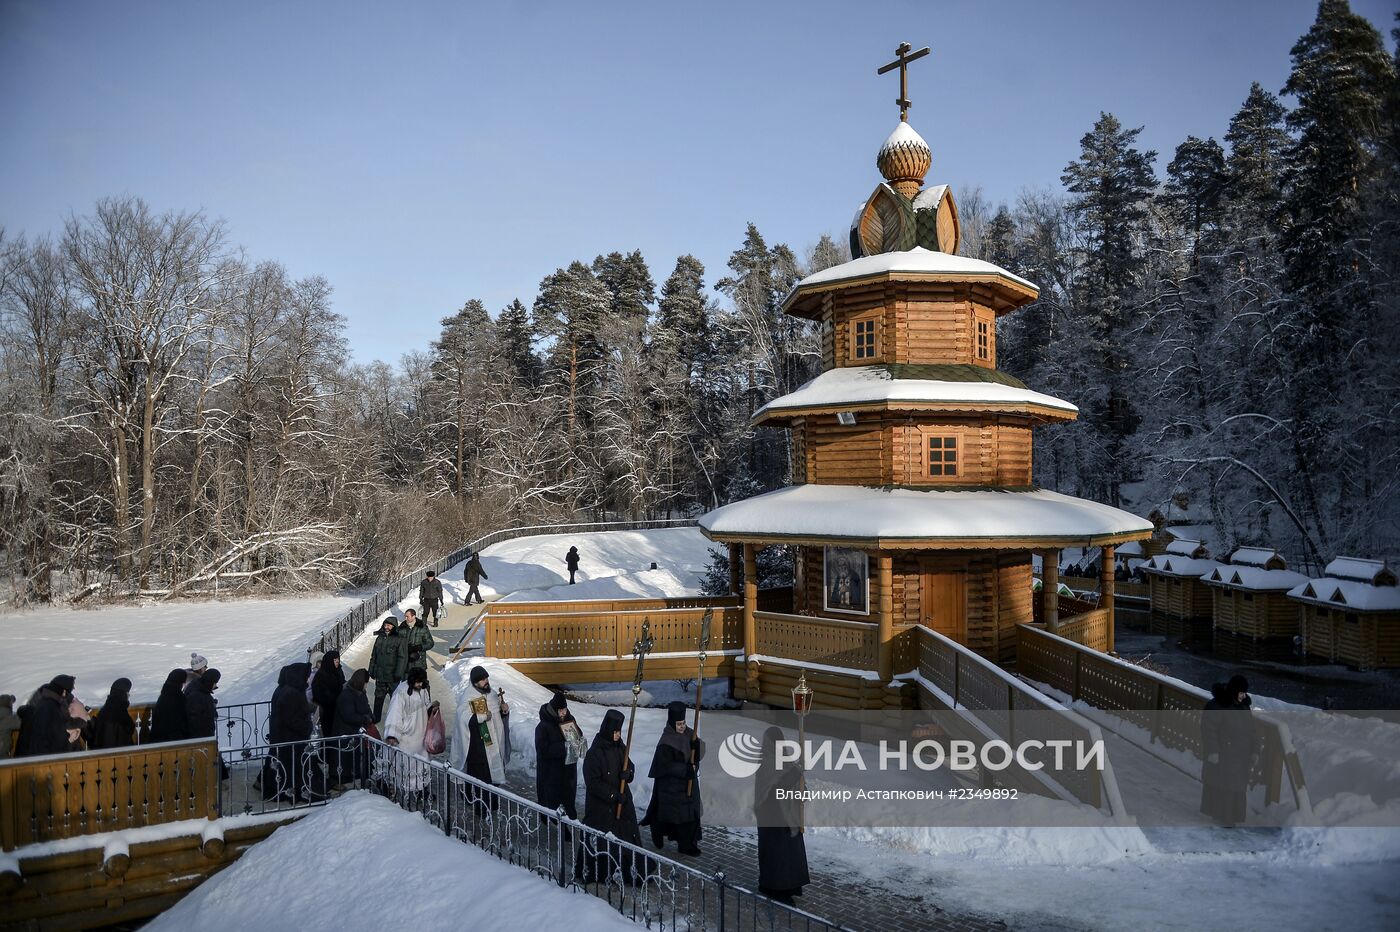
640	884
349	626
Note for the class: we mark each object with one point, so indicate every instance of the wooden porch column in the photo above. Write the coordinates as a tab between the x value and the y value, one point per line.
886	618
750	601
1106	590
736	569
1050	587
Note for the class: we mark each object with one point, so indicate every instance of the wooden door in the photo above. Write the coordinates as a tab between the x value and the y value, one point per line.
945	603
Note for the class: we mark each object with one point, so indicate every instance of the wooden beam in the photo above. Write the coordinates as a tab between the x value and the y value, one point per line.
750	600
1106	589
1049	586
736	569
886	656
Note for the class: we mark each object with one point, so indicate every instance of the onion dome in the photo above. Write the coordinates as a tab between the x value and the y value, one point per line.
904	160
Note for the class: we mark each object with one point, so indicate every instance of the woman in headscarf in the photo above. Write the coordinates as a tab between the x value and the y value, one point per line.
607	804
352	714
286	773
168	721
782	851
326	684
113	727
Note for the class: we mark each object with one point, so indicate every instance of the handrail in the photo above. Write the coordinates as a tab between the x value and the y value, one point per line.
640	883
1152	702
993	697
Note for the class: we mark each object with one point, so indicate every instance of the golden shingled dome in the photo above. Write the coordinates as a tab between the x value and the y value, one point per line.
904	160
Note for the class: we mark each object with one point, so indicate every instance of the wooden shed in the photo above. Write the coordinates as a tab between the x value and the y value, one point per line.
1250	595
1174	581
1352	614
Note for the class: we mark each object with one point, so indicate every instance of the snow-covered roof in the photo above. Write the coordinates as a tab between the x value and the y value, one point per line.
904	386
1256	556
1185	547
861	514
1348	594
1132	548
911	264
1171	564
1253	578
1374	572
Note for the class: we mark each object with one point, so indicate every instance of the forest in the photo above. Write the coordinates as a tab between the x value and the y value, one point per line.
176	421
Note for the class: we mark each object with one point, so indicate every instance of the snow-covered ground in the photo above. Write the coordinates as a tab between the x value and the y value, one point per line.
364	863
655	694
247	640
612	565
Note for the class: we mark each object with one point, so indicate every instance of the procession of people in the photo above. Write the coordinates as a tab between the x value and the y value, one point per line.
322	695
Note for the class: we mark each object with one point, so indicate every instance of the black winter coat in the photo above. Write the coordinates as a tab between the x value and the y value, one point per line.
474	573
556	782
602	775
201	711
671	771
43	725
430	590
290	716
169	721
1227	750
388	660
113	727
326	687
352	712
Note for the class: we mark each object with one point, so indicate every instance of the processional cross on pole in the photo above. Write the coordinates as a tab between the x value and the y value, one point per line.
902	63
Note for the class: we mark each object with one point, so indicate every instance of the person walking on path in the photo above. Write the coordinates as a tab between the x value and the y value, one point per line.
473	574
44	720
675	808
430	597
482	718
571	558
352	716
113	727
326	684
169	721
197	667
607	805
559	745
419	640
9	726
1227	752
782	850
387	663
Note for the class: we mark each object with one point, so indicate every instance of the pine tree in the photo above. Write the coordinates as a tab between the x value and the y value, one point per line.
1195	188
516	340
1112	182
1258	141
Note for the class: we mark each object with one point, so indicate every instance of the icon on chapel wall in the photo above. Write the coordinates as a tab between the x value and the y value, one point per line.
846	580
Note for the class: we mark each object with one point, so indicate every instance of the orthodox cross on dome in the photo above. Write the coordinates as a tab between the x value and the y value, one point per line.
902	63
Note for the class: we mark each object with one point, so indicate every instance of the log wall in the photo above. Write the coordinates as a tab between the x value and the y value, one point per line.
1368	640
888	449
1257	615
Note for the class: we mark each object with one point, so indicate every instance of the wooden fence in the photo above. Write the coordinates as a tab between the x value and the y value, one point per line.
1089	629
65	795
1169	712
829	641
995	699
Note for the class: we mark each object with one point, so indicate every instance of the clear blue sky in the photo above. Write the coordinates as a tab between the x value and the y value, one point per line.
418	154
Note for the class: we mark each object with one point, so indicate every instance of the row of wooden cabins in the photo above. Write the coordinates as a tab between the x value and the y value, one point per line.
1349	615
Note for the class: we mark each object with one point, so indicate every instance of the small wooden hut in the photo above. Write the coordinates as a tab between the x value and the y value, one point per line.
1352	614
1174	580
1249	595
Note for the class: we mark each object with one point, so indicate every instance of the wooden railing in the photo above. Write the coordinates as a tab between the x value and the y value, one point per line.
598	606
994	697
1129	588
829	641
608	634
65	795
1168	711
1089	629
